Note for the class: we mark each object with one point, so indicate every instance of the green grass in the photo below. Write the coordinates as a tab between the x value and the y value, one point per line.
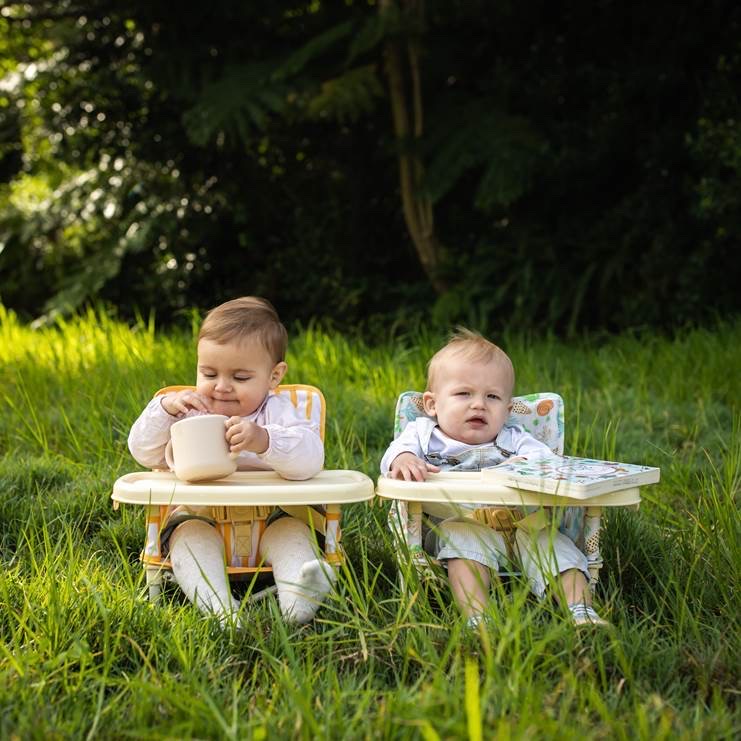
83	654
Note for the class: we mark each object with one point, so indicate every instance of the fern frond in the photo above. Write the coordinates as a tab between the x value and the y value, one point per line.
505	147
371	34
240	101
314	48
347	97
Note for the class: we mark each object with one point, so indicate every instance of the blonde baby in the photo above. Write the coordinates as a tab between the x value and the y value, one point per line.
468	401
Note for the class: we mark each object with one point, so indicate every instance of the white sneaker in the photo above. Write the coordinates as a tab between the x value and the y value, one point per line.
475	621
582	614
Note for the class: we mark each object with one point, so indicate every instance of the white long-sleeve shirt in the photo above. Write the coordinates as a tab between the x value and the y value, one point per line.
295	450
422	436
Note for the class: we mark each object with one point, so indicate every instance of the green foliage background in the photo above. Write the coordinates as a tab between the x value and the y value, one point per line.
583	160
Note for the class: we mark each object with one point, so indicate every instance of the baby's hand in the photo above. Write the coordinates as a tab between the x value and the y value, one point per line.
242	435
183	401
410	467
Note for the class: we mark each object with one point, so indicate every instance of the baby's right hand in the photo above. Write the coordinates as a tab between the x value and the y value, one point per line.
181	402
410	467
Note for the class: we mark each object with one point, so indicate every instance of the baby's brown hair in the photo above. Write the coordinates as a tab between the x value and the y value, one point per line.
241	318
474	347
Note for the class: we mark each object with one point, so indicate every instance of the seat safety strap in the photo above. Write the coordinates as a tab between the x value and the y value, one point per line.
308	515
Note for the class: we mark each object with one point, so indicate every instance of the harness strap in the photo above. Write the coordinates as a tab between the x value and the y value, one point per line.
500	519
308	515
506	520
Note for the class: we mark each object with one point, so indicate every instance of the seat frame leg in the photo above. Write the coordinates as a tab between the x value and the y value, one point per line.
154	579
592	527
332	534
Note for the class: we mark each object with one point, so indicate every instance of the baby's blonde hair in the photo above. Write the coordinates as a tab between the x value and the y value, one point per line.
474	347
242	318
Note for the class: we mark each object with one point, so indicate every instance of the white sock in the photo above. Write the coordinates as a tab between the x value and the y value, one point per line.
303	580
301	600
197	557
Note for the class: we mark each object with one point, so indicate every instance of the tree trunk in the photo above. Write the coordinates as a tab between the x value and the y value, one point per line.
402	56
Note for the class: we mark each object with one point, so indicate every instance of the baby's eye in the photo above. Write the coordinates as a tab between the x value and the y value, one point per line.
208	375
242	378
493	396
461	393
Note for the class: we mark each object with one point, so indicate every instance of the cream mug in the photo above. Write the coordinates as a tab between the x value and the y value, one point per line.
198	450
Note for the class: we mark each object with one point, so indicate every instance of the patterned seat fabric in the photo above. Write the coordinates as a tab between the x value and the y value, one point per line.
539	414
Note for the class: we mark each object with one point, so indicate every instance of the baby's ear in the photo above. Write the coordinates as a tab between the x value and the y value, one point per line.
276	375
428	403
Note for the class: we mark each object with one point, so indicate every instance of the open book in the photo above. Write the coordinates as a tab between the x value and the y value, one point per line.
569	476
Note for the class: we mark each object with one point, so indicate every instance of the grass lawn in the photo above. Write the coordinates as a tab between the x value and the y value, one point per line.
83	654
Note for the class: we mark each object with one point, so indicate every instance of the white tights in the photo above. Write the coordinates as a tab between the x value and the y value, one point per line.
303	580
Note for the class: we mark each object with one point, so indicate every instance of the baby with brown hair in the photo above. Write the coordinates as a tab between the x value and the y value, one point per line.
241	361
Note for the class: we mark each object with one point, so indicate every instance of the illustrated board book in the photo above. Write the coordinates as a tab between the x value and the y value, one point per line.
570	476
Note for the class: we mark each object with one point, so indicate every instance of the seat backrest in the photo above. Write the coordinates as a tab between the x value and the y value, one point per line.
539	414
308	400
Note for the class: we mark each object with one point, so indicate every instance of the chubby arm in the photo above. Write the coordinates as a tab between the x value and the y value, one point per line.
150	434
403	458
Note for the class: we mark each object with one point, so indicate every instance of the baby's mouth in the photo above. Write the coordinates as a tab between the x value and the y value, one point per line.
476	421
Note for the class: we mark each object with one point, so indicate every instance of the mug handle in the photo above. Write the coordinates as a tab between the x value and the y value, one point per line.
169	459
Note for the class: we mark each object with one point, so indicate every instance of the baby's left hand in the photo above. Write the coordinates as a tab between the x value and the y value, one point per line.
242	435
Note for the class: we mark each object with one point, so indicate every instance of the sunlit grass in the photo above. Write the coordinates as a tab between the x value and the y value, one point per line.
84	654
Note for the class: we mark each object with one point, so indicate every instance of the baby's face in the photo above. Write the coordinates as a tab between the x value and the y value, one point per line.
471	400
236	376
